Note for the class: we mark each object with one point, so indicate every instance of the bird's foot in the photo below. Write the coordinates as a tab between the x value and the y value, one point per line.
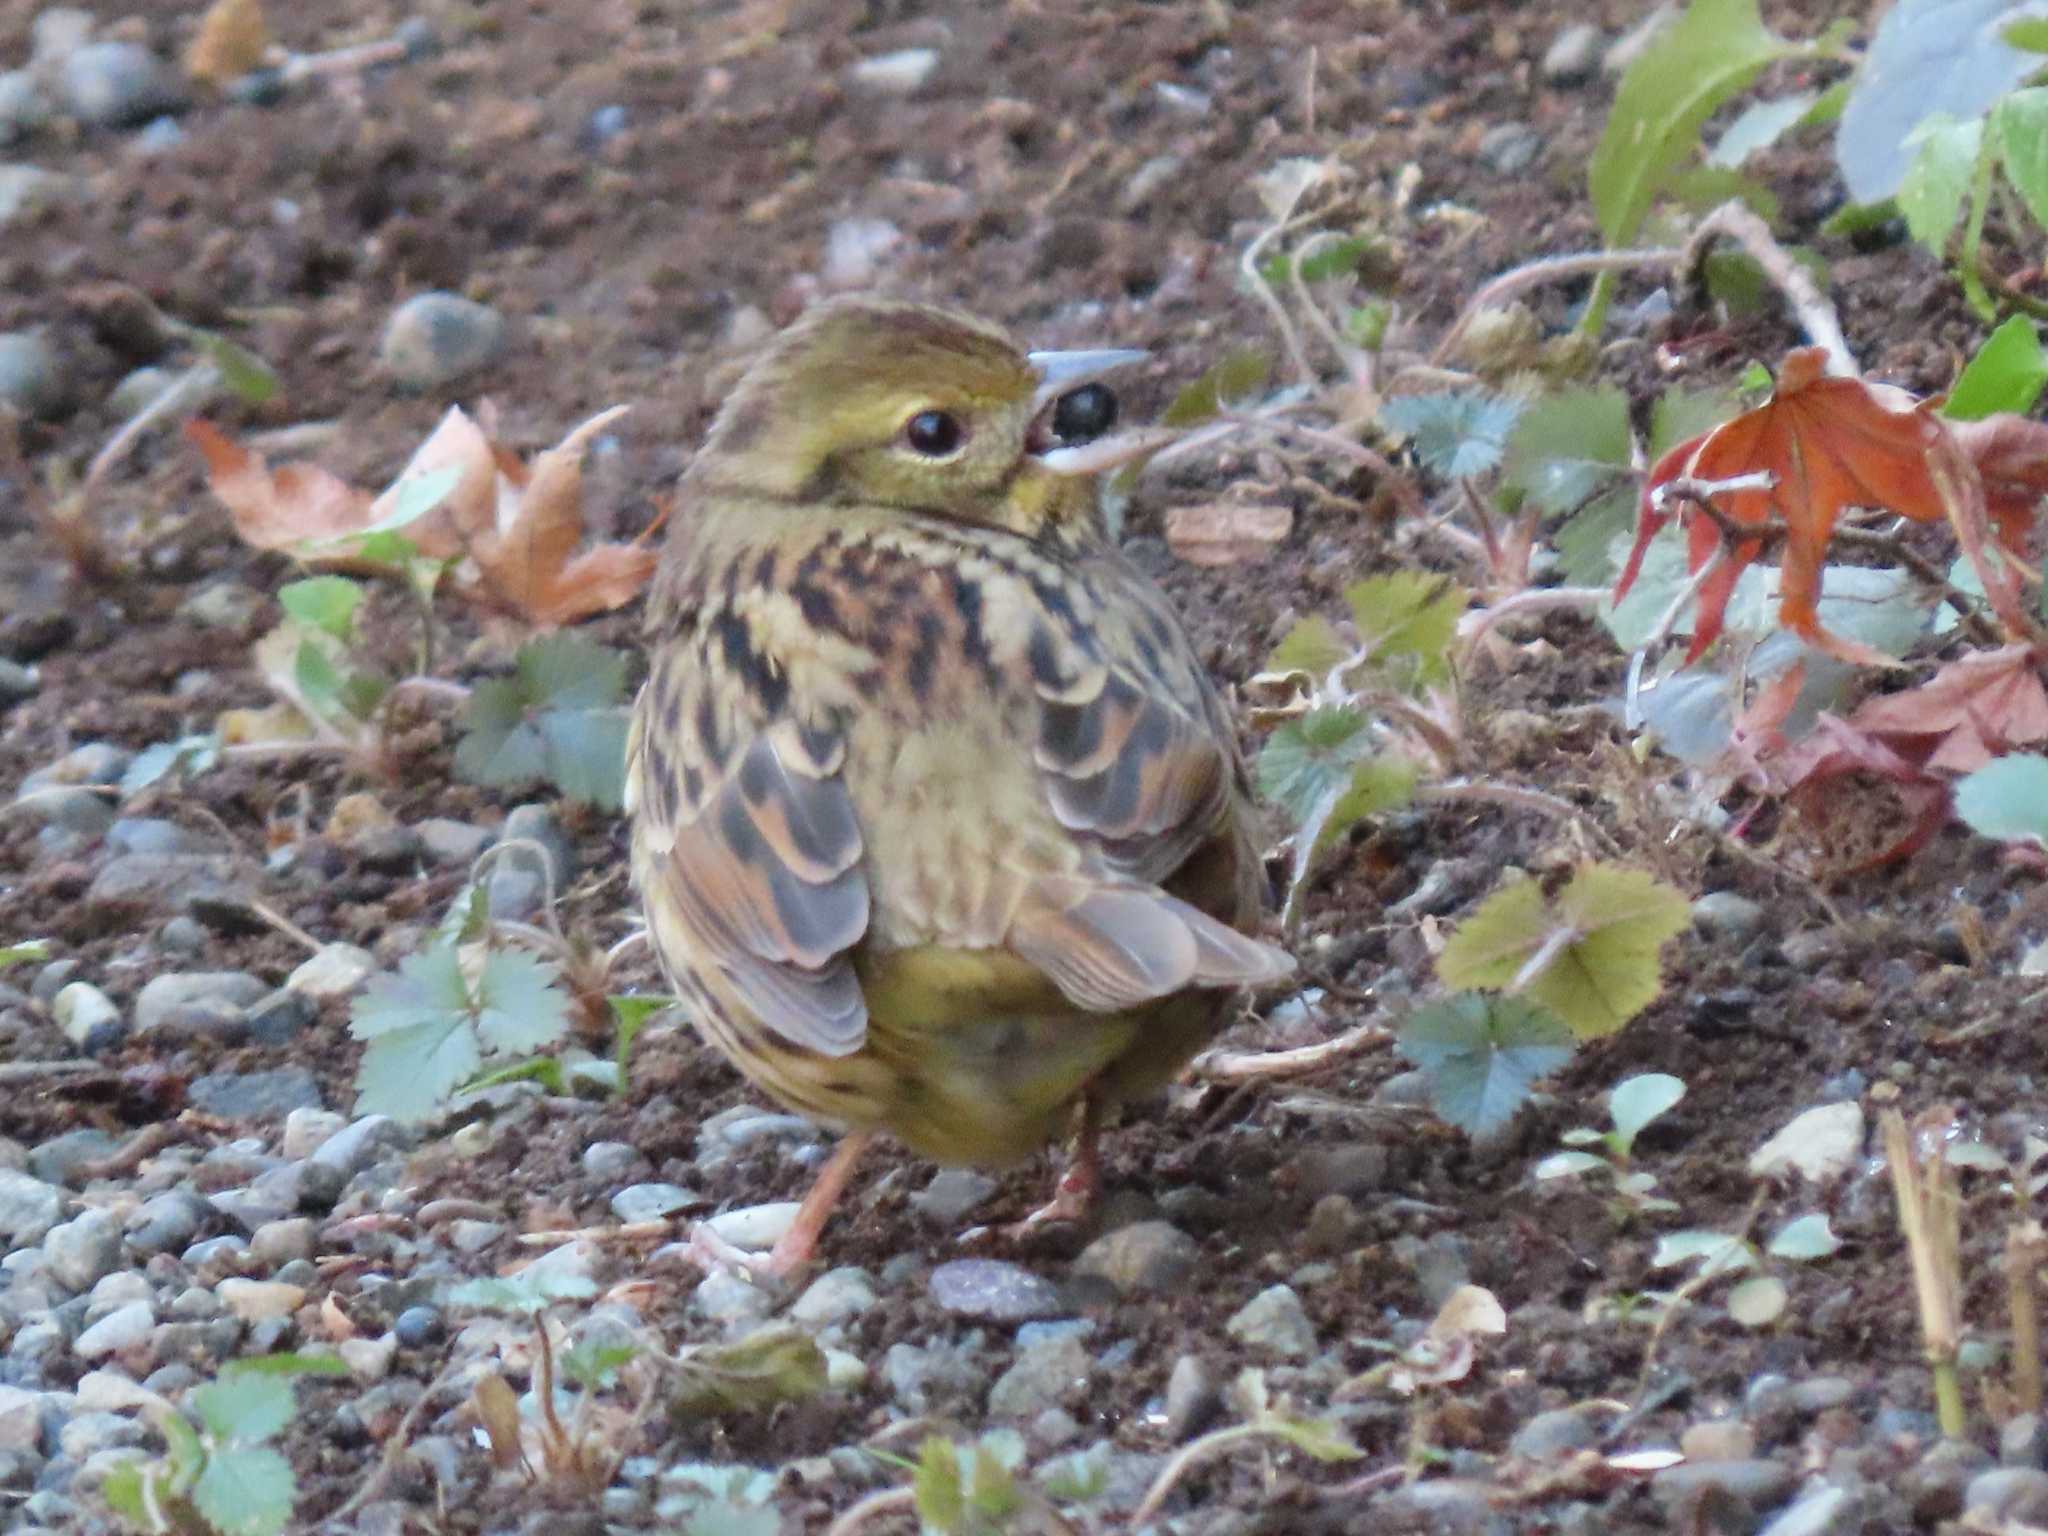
712	1254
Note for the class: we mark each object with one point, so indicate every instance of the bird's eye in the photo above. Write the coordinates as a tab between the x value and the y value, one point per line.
1084	414
934	433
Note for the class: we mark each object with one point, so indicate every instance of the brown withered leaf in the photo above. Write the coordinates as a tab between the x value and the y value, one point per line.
232	40
1226	532
280	508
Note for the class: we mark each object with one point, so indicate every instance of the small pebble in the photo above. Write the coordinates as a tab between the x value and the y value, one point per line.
651	1202
255	1300
1145	1256
951	1195
435	338
120	1330
895	74
418	1327
994	1289
118	85
31	379
837	1296
1273	1321
1553	1435
1754	1485
2011	1494
83	1250
89	1018
1192	1397
755	1227
1822	1144
1044	1376
1573	56
336	971
1725	915
27	192
368	1360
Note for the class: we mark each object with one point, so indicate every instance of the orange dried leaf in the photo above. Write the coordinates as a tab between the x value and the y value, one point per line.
283	508
1829	444
468	509
1226	533
1987	703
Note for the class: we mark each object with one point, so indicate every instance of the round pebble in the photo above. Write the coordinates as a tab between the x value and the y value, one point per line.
435	338
118	84
31	379
993	1289
417	1327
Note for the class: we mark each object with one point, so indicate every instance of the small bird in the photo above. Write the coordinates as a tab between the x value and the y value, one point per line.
939	823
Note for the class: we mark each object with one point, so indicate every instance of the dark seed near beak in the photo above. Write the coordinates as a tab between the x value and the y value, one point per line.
1084	414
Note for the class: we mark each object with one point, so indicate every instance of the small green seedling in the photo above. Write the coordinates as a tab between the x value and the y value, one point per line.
27	949
1324	1439
1758	1299
223	1478
1632	1104
560	718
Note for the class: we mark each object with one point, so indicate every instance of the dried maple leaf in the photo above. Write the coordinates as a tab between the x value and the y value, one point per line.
1972	710
283	508
1829	444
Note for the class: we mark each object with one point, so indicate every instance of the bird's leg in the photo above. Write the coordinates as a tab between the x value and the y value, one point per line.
1074	1197
794	1248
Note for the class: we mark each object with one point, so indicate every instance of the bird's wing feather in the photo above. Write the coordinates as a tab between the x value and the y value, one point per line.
759	869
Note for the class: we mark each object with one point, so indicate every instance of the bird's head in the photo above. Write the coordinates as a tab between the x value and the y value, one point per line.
878	403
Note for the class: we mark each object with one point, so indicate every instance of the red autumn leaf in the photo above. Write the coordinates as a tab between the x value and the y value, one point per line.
1971	711
1829	444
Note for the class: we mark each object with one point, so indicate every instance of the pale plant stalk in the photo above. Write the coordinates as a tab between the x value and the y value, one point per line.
1928	1217
2025	1247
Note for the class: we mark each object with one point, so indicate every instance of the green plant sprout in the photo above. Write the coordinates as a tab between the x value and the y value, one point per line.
1633	1104
223	1478
1321	1438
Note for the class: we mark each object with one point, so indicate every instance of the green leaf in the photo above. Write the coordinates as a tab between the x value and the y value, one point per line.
1635	1102
2006	799
941	1501
1409	616
323	602
1805	1238
1758	126
772	1365
2022	126
1716	1253
629	1017
1706	187
1758	1301
2029	33
2006	374
1482	1055
1598	943
27	949
1312	646
528	1292
1711	53
594	1364
1310	759
1463	432
186	756
245	1491
1237	378
545	1070
519	1007
1332	258
122	1488
247	1405
1324	1439
1937	180
423	1044
560	719
246	374
1566	447
1680	414
1379	784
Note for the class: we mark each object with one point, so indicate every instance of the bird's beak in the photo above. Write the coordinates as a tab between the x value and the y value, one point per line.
1059	372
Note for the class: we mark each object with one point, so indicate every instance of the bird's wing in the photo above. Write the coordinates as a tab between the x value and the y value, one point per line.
747	849
1138	768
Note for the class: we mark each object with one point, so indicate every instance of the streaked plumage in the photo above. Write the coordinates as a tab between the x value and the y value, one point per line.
939	823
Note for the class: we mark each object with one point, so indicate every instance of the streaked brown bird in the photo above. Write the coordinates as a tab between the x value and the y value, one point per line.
940	825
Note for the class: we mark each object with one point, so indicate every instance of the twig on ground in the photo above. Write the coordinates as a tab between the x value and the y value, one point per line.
1816	316
1257	1066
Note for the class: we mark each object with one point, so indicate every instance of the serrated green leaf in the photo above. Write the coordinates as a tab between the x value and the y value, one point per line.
318	679
2029	33
1455	434
559	719
245	1491
771	1365
1237	378
629	1017
2006	374
2007	798
1600	940
1307	761
1944	160
527	1292
1710	54
586	754
428	983
1482	1054
406	1073
1680	414
326	603
498	746
1635	1102
1586	542
1379	784
122	1488
1567	446
1409	614
519	1007
564	670
1805	1238
248	1406
1312	646
288	1365
594	1364
184	1454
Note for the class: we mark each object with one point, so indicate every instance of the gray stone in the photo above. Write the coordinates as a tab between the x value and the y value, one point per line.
2014	1494
58	32
209	1004
276	1243
27	192
1509	149
118	85
336	971
23	106
306	1131
62	1159
951	1194
994	1289
280	1017
452	842
172	882
362	1142
1445	1506
435	338
17	682
26	1419
1820	1511
610	1161
2023	1440
1274	1321
724	1297
122	1329
138	389
88	1017
88	1433
1046	1375
31	379
1725	915
84	1250
837	1296
227	605
1145	1256
1821	1144
921	1377
28	1208
1553	1435
1192	1397
895	74
240	1095
1438	1261
1817	1394
151	834
651	1202
300	1186
52	979
1755	1485
1573	56
166	1223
